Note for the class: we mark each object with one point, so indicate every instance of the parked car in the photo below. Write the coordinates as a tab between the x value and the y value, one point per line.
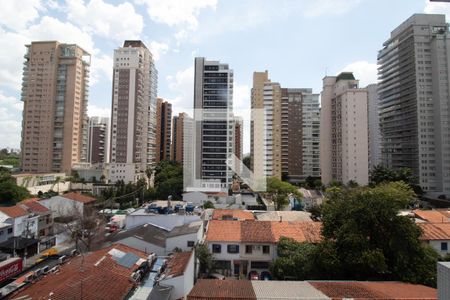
265	275
216	276
253	275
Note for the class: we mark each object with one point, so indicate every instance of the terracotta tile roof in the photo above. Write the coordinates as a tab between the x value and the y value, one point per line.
79	197
177	264
13	211
98	276
238	214
208	289
375	290
226	231
34	206
435	231
433	216
262	231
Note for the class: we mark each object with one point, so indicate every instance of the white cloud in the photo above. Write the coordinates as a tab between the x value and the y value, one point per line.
10	121
97	17
158	49
12	49
17	15
95	111
437	8
182	85
363	70
317	8
50	28
101	66
177	12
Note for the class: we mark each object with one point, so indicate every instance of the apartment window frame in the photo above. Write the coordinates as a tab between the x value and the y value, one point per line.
248	249
216	248
233	248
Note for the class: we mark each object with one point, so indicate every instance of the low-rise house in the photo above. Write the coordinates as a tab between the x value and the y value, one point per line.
432	216
179	275
25	223
239	247
43	183
109	273
206	289
69	204
151	238
437	235
311	198
45	222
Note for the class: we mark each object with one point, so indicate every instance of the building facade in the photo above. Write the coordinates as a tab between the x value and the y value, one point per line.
284	130
213	117
98	142
415	102
163	129
343	130
133	113
177	146
373	122
55	94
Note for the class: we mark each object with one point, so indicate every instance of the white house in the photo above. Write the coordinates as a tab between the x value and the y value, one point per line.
179	274
239	247
437	235
68	204
25	223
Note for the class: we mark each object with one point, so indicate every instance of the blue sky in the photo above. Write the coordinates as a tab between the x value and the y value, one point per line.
298	42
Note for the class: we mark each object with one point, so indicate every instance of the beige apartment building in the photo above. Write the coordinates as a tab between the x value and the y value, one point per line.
163	129
55	95
133	114
177	146
284	130
343	130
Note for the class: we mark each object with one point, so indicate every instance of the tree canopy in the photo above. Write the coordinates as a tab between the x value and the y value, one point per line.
10	192
380	174
364	238
169	180
279	191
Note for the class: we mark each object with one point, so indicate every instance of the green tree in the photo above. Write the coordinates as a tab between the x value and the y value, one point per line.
371	240
380	174
10	192
169	180
208	204
247	161
279	191
205	259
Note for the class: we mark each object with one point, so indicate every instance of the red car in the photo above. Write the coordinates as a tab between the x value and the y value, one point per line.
253	275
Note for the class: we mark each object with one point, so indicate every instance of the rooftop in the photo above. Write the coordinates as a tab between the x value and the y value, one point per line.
435	231
79	197
177	264
262	231
285	216
232	214
14	211
317	290
434	216
102	274
33	205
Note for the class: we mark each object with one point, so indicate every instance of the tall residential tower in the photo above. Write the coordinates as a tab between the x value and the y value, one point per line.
414	73
163	129
133	113
55	95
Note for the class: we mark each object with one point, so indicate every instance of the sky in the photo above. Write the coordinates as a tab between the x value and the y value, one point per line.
297	41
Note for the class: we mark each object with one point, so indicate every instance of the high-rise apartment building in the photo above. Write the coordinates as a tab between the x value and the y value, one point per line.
163	129
98	141
177	146
238	143
55	95
284	130
133	113
343	130
414	74
373	122
213	117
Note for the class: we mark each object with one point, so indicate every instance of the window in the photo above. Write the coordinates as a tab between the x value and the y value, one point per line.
190	243
266	249
444	246
233	248
1	232
216	248
248	249
259	265
10	230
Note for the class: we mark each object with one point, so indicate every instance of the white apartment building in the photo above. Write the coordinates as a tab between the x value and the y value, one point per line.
343	130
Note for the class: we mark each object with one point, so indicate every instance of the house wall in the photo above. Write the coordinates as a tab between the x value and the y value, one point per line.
182	285
62	206
437	246
197	198
143	246
4	235
180	242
